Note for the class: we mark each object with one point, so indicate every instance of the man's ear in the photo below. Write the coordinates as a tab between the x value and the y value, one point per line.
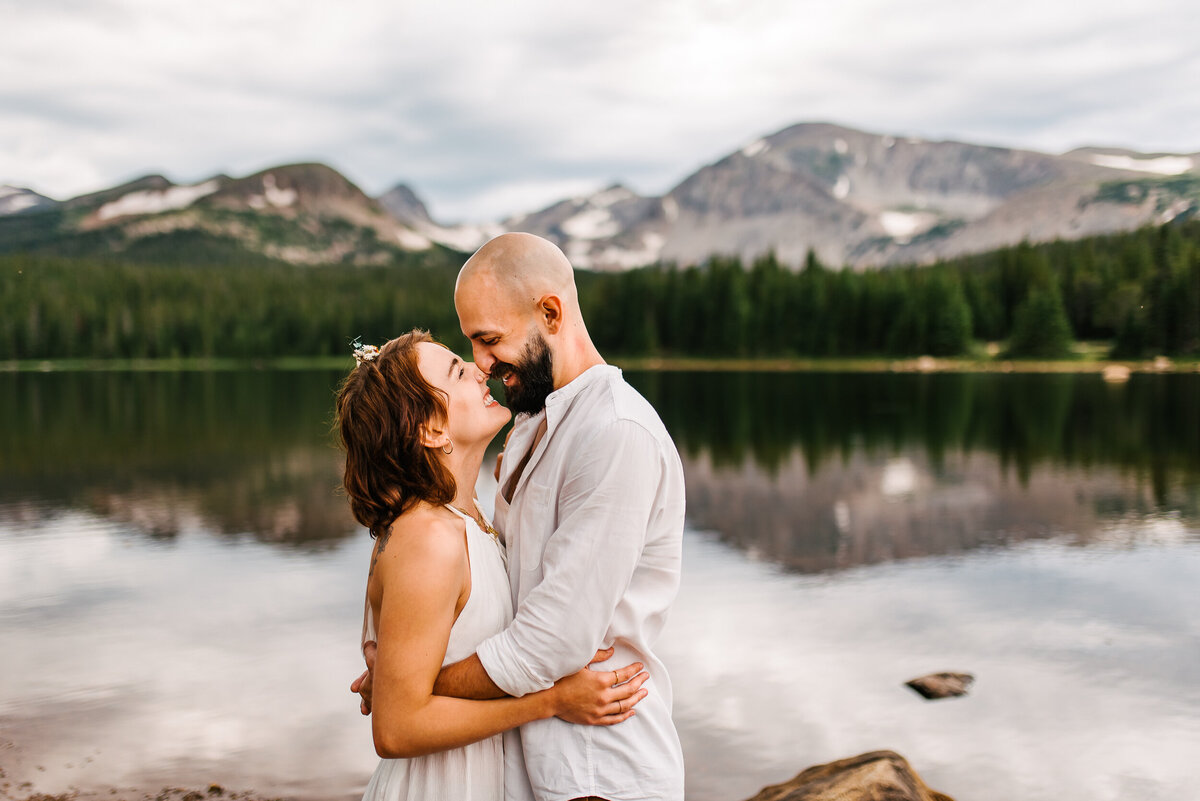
550	307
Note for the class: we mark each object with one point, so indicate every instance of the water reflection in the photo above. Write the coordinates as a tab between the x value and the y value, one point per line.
828	471
817	471
181	584
147	663
1148	426
245	454
1085	658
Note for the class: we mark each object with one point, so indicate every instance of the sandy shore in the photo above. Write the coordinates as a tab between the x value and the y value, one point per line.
27	791
27	788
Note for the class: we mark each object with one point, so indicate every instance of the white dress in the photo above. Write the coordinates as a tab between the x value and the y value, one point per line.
474	772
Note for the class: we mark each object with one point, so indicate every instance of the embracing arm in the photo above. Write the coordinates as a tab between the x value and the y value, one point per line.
605	505
467	679
423	575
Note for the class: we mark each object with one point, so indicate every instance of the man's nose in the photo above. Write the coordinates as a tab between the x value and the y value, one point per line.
482	359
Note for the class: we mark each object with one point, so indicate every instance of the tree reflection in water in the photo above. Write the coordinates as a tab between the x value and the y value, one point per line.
816	470
241	454
826	471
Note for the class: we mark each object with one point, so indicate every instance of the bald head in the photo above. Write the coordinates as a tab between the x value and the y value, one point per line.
517	294
518	270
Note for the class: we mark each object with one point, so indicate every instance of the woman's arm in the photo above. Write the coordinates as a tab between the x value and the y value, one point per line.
423	574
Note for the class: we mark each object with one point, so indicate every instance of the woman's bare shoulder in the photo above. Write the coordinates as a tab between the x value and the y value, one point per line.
425	537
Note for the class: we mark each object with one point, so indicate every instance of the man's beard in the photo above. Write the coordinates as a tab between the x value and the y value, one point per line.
533	377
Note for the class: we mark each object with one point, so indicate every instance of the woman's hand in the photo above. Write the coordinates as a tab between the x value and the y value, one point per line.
600	697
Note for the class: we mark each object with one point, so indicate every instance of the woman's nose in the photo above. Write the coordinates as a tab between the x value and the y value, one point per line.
480	376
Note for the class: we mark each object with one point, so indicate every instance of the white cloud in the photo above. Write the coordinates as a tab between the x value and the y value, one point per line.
476	104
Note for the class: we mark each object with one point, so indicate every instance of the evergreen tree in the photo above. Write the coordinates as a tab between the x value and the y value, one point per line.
949	327
1040	327
1141	289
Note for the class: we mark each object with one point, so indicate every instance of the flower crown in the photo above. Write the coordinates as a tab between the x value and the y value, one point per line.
364	353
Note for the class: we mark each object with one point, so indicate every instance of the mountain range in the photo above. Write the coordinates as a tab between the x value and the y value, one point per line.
854	198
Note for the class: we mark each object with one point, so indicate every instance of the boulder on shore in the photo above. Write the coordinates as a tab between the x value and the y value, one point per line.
874	776
942	685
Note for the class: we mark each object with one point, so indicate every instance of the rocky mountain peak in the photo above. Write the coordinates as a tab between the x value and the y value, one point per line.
312	188
866	199
93	200
403	203
855	198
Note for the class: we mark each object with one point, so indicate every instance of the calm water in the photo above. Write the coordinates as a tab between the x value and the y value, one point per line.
181	587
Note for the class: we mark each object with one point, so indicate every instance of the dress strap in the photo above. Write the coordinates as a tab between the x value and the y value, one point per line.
482	523
460	513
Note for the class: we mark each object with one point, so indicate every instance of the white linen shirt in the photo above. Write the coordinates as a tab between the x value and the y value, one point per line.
594	538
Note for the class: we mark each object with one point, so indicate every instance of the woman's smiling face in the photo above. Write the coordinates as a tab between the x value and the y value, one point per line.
474	416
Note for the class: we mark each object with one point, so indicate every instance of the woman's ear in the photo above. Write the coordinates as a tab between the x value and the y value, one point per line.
433	437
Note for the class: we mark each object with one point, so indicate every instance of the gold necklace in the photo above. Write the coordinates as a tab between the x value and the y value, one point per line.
480	521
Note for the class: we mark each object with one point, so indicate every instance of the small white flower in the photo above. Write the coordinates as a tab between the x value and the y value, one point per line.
364	353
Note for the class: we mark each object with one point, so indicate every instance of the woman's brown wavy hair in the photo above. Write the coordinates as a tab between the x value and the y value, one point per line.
381	408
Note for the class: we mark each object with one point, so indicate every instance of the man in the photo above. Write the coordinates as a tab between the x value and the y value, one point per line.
590	502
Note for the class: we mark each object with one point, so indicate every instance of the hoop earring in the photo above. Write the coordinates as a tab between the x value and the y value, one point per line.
448	452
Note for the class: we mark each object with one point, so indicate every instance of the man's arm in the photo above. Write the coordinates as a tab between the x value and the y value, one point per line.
605	506
467	679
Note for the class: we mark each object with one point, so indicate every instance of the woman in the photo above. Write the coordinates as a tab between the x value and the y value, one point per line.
415	421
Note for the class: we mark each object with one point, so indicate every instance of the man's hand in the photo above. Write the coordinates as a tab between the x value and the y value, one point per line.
362	685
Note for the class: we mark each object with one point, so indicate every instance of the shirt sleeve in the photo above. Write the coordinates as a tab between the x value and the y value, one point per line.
604	506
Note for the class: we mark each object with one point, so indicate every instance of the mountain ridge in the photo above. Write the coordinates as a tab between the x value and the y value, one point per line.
853	197
304	213
865	199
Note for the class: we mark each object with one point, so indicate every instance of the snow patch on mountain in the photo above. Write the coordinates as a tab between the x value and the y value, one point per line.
670	208
272	195
610	196
841	146
578	252
411	240
13	200
628	258
19	203
754	148
1160	165
156	201
842	188
591	223
1174	210
904	225
465	238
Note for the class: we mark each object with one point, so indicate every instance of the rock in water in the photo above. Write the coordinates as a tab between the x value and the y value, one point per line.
942	685
876	776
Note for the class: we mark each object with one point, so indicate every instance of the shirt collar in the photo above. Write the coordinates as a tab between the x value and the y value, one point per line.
558	401
581	382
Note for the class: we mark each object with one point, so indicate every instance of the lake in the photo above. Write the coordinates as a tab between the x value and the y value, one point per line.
181	586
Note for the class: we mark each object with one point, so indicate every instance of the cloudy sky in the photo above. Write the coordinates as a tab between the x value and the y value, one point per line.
490	108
